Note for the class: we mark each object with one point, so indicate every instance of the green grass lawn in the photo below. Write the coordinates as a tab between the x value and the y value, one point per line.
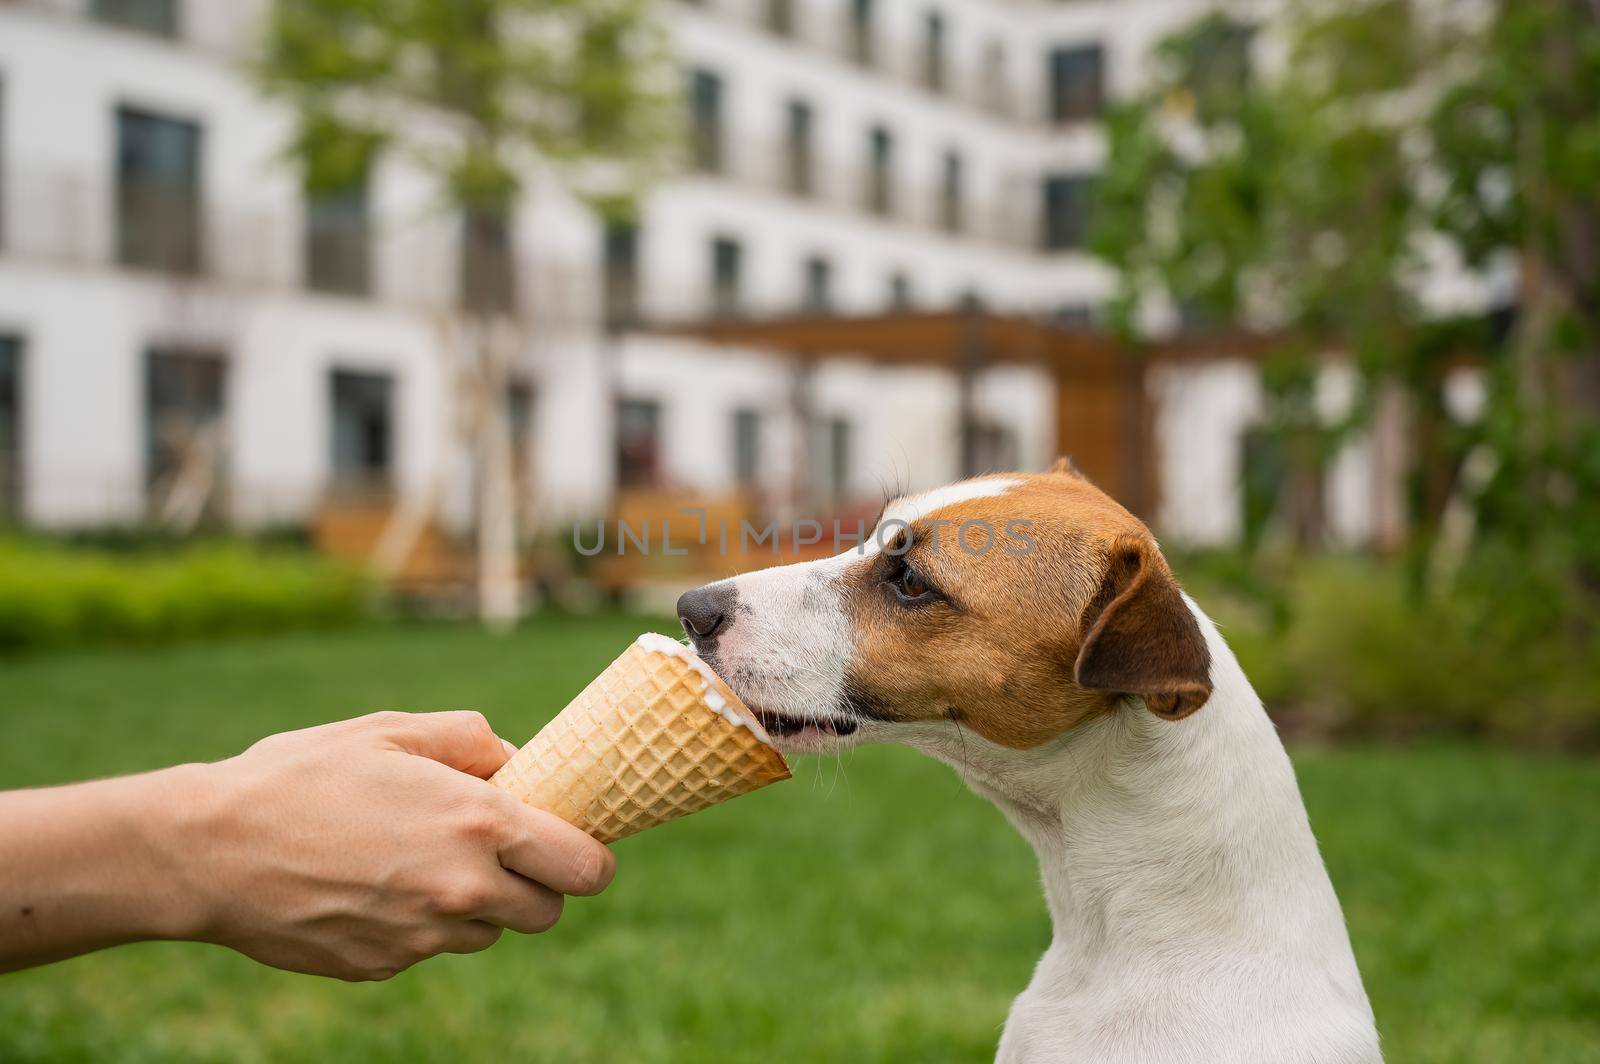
870	909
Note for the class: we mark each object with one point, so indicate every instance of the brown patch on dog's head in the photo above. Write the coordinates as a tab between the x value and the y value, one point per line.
1020	615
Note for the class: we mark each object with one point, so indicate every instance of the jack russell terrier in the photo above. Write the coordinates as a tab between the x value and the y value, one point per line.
1026	630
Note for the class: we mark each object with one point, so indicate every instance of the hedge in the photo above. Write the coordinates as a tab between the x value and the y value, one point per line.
1346	647
54	595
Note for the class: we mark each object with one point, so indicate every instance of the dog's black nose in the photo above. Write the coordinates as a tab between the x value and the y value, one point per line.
704	611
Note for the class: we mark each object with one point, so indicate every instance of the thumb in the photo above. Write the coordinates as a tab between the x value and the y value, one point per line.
461	739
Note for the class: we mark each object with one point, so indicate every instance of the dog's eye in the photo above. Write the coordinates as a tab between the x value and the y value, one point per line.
909	585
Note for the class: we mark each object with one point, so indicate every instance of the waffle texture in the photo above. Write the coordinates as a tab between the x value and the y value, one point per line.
638	747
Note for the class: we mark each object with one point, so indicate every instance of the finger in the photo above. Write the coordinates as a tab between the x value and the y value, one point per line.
548	850
472	936
523	906
461	739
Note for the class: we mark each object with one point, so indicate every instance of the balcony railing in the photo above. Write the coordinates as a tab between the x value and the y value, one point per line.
338	248
420	262
1006	214
158	227
415	263
991	89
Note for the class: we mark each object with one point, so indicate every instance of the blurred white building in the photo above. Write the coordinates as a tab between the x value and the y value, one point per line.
164	286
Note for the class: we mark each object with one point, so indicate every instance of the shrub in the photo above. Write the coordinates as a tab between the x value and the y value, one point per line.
1346	647
55	595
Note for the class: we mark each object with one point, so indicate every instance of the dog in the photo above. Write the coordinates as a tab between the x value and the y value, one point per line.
1025	629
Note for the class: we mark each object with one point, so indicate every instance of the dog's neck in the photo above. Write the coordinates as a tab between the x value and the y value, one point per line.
1183	881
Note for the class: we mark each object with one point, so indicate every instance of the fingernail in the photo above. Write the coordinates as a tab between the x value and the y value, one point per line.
511	750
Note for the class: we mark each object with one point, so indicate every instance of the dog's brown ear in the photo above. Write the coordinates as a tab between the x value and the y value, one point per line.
1140	637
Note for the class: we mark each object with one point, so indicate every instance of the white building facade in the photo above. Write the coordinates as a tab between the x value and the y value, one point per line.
853	156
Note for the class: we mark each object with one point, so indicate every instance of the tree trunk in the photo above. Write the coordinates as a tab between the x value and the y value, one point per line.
1304	489
407	521
1390	457
499	593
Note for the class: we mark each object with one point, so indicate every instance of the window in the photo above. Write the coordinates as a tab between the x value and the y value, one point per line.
159	17
363	430
780	17
899	291
933	64
996	87
727	266
2	163
1077	83
880	172
1074	316
1067	203
488	270
863	37
950	194
10	429
1194	314
519	419
1277	493
184	398
832	468
638	442
158	192
994	449
1219	62
799	176
819	282
620	284
336	241
747	447
705	93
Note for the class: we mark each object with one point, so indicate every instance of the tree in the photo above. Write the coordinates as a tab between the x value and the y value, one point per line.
1308	200
480	93
1517	136
1272	203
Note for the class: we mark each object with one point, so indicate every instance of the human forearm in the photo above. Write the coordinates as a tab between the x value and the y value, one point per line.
355	850
97	864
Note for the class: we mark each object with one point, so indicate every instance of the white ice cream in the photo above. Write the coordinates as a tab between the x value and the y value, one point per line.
654	641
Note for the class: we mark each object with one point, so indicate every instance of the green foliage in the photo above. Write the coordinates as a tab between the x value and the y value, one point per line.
1302	202
1345	647
54	596
1518	137
336	157
870	909
1278	204
478	91
1284	205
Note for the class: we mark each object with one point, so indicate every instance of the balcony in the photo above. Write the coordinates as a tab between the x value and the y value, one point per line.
988	86
1005	217
68	221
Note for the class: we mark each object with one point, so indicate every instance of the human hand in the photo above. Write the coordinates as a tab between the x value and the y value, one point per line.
357	849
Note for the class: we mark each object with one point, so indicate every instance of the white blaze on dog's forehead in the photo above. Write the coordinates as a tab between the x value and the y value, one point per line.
907	510
660	644
914	508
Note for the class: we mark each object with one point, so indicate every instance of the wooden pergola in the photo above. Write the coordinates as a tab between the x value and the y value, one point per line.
1104	419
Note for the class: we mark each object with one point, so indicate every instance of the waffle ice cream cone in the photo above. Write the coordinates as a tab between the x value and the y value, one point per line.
654	737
